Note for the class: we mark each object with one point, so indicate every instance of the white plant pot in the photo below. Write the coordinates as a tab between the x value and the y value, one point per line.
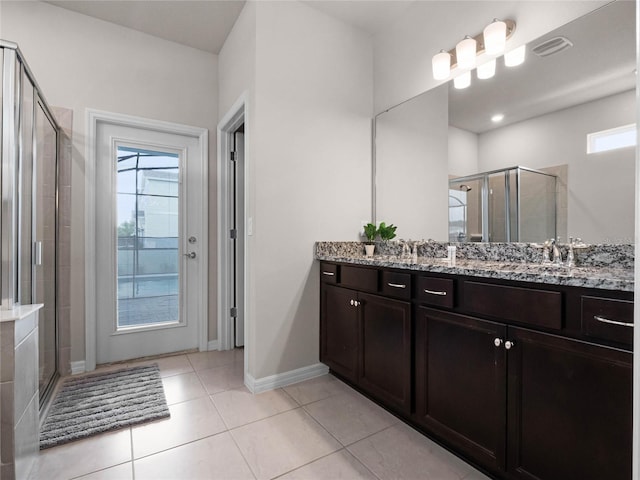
369	249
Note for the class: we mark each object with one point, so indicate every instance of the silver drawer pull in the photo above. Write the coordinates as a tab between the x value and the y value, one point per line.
328	274
435	292
612	322
396	285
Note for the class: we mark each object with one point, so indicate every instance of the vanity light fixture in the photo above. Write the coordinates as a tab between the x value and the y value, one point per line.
462	81
466	53
495	37
463	57
497	118
515	57
487	69
441	64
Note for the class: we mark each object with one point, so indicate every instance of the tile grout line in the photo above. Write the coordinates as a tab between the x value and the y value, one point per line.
235	442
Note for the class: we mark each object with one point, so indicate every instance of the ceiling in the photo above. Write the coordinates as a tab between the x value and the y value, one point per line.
205	24
537	87
199	24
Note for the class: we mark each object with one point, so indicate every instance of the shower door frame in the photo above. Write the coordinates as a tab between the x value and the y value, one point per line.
13	67
14	70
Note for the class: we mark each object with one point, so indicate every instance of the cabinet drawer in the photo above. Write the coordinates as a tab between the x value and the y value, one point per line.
435	291
360	278
328	273
396	284
533	307
608	319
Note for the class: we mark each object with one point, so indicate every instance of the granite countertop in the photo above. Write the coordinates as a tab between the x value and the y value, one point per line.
602	277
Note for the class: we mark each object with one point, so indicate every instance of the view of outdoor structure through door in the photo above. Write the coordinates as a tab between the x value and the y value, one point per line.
148	231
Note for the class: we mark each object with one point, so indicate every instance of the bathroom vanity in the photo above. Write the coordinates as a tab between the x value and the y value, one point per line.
523	369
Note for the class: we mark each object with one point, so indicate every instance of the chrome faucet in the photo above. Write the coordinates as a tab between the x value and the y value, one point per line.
557	256
406	249
573	244
545	251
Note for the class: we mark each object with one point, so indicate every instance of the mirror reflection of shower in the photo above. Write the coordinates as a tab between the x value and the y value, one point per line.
515	204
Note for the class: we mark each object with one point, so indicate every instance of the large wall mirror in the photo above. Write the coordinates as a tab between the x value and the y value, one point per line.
444	168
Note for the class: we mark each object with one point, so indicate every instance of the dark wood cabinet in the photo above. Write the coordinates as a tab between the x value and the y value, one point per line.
339	331
460	383
385	351
570	405
527	381
366	339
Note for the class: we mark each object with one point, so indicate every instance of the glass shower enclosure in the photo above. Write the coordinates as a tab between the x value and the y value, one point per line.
28	218
516	204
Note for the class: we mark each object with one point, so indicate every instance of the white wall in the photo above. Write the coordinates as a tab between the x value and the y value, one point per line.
403	52
411	166
463	152
80	62
601	187
311	169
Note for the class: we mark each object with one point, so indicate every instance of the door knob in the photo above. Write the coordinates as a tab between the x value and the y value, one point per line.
190	255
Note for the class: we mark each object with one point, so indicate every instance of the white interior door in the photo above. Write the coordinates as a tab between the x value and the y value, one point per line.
149	231
237	202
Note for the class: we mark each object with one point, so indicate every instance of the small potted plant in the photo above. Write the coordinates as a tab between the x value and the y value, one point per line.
387	232
370	231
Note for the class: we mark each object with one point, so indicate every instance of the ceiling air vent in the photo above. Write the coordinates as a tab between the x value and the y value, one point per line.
551	46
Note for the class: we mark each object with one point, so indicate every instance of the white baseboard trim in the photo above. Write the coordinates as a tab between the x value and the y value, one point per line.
212	345
278	380
78	367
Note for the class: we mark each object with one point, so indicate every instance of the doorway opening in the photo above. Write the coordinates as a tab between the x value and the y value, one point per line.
234	227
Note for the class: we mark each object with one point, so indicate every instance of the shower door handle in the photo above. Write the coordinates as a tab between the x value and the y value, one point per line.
37	253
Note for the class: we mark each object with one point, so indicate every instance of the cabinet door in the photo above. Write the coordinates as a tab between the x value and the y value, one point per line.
569	412
339	331
385	368
461	383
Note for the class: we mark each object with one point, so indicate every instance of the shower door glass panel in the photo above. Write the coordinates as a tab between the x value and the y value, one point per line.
25	179
497	208
148	228
44	236
537	206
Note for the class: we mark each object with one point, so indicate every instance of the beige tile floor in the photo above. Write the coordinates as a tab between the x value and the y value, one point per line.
317	429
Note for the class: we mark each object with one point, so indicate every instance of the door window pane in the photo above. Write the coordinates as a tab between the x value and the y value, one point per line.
148	207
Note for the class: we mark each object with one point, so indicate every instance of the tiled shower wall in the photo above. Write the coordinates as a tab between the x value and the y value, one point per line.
64	117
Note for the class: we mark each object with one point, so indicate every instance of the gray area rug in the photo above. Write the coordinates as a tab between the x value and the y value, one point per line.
101	402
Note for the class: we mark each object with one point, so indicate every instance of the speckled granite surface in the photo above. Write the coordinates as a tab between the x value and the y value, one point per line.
608	267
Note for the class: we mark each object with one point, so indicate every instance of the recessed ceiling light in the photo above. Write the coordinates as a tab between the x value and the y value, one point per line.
497	117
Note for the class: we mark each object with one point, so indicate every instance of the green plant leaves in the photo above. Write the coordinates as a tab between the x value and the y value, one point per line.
387	232
370	231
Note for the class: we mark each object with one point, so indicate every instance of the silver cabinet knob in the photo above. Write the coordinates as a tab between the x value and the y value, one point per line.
352	302
357	303
509	345
190	255
497	342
